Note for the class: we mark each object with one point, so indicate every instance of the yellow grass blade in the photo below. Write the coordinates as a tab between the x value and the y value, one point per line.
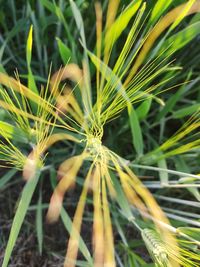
73	244
109	260
130	192
98	226
69	170
70	71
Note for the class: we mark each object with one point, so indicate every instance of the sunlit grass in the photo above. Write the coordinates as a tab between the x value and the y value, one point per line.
79	114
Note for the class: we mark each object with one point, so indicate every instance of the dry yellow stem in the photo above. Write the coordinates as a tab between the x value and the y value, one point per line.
69	172
72	249
109	260
130	192
70	71
98	227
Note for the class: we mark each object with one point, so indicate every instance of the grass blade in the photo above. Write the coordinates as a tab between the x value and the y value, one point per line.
29	44
136	130
25	200
6	177
64	51
39	228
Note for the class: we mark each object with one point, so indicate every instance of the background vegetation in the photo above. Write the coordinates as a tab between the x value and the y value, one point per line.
172	176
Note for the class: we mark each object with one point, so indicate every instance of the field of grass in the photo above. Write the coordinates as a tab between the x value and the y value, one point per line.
100	133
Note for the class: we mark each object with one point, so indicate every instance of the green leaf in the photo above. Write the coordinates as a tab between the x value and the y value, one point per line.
39	228
159	9
135	130
18	220
65	52
121	198
121	23
183	112
180	39
175	98
143	109
82	246
6	177
49	5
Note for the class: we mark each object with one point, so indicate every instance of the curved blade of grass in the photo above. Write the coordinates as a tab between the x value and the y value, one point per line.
68	222
135	130
49	5
18	220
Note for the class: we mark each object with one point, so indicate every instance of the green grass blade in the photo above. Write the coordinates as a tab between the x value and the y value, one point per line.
39	228
49	5
169	105
143	109
180	39
121	23
159	9
121	198
64	51
136	130
6	177
82	246
18	220
186	111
